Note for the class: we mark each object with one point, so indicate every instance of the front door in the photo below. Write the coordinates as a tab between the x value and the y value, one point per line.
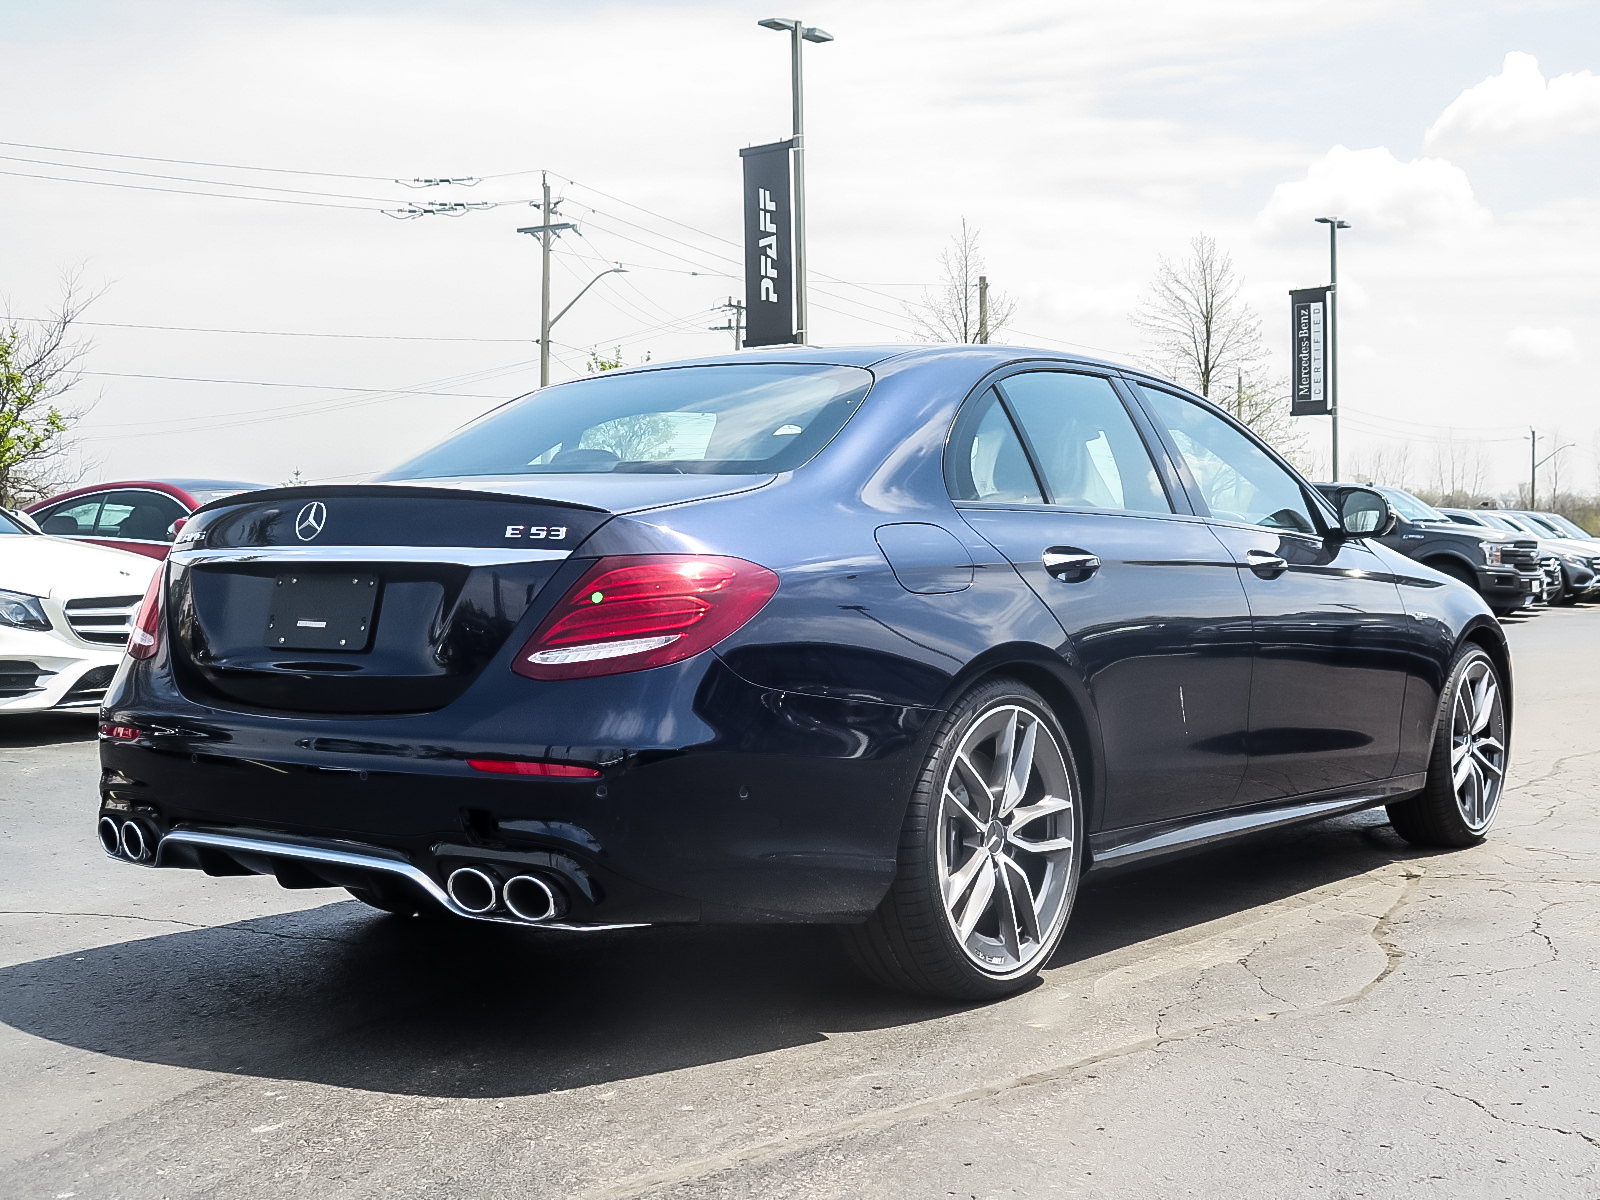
1331	631
1154	613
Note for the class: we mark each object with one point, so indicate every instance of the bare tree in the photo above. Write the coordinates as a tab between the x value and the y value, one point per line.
1199	326
38	365
952	312
1205	336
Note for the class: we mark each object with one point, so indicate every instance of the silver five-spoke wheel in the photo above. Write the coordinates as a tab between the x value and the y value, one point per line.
1471	751
1477	745
1006	839
989	855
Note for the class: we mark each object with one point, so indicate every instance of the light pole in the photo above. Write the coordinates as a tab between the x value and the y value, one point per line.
798	32
1334	224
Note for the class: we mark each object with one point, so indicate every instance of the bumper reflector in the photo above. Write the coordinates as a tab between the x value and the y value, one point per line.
550	770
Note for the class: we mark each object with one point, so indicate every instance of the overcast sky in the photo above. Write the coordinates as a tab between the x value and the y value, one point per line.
1084	140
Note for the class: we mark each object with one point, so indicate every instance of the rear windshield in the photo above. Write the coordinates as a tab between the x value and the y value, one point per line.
725	419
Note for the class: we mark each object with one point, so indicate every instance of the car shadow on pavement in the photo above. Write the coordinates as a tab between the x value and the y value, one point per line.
47	729
345	996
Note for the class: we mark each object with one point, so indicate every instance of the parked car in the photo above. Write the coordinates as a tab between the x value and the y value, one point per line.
1502	566
1579	556
142	515
899	639
1564	526
65	613
1572	569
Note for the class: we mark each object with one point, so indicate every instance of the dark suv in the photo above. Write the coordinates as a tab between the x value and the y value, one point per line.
1503	567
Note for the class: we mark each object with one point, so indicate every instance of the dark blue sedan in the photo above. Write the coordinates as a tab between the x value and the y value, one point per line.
898	639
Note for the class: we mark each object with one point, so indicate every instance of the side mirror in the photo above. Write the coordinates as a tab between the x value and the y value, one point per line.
1364	513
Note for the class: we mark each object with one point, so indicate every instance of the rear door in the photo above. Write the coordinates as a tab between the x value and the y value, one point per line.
1333	638
1053	470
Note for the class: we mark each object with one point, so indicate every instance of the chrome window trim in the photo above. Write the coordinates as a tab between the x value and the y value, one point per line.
464	556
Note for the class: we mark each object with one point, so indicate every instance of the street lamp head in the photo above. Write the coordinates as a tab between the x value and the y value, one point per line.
787	24
1336	222
812	34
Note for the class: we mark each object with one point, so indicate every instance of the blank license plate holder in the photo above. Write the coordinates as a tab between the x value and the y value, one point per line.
322	610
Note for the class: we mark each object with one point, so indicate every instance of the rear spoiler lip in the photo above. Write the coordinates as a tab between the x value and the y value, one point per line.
320	491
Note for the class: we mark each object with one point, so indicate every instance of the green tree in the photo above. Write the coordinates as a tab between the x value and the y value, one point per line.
38	365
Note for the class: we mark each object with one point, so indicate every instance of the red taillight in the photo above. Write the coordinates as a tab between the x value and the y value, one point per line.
550	770
119	733
144	639
629	612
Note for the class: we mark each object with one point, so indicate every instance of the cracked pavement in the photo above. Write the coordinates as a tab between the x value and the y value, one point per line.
1317	1012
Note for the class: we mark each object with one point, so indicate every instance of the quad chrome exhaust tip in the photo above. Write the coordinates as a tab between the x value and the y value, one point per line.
530	898
110	836
475	891
135	843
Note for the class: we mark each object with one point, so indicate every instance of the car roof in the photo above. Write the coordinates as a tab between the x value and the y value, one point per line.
880	354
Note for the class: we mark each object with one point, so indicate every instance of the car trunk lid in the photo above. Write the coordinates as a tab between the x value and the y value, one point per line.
374	598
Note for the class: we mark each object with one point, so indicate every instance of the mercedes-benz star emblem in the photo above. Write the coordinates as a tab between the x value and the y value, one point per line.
310	521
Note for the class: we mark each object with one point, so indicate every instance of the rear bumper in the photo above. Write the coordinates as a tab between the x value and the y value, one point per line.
775	806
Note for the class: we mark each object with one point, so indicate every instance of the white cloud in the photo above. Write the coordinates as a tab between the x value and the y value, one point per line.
1533	346
1378	193
1517	107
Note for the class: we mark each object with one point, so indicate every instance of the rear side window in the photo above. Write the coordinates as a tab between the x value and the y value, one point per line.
1087	446
723	419
986	460
71	517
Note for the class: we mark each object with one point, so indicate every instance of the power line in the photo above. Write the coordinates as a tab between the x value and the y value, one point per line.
321	387
185	162
257	187
142	187
387	337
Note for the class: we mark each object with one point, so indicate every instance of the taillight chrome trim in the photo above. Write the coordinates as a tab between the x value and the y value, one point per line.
459	556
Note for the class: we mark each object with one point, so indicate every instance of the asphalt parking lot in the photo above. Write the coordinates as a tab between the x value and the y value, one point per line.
1324	1012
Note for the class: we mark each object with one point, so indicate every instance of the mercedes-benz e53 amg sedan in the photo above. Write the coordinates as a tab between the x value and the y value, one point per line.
898	639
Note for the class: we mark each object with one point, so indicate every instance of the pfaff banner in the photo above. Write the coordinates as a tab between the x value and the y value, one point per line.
768	246
1308	340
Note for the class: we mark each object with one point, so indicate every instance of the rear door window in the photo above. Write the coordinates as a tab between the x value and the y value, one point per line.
138	516
1087	446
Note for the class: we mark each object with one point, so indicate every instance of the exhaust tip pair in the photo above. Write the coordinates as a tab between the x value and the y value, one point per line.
128	839
526	897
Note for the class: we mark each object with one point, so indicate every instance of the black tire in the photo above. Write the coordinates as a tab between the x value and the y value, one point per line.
913	942
1568	594
1447	814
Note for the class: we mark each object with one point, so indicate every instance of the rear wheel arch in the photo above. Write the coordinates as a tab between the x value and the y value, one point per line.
1067	696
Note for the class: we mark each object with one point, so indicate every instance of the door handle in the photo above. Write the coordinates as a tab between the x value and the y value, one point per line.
1069	566
1265	563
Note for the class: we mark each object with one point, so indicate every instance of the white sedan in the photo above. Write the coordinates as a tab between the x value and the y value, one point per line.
65	612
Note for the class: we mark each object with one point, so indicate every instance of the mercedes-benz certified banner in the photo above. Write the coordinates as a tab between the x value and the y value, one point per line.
1308	393
768	246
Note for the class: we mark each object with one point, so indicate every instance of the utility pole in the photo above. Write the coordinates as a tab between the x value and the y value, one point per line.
1334	224
546	233
1535	462
735	310
798	32
983	310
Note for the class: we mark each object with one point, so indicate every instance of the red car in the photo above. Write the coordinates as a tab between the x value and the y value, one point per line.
141	515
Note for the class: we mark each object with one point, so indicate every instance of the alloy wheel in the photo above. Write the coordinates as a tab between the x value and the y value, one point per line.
1477	745
1007	821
